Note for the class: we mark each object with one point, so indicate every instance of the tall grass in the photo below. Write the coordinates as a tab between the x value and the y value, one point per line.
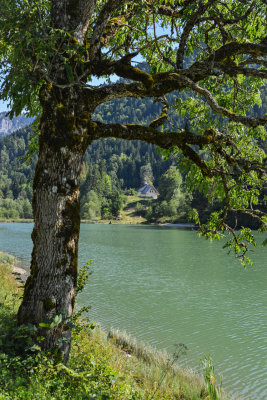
10	291
159	371
214	387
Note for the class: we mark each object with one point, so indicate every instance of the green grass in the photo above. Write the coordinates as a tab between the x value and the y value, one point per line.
9	291
101	366
134	216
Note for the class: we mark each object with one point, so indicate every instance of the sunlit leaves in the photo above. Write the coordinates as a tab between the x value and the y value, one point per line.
32	52
22	27
239	244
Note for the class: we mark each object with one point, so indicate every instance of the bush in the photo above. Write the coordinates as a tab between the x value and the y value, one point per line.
131	192
14	209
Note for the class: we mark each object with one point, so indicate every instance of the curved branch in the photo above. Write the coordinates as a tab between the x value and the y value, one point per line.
166	140
164	113
186	32
100	25
202	69
234	48
249	121
162	83
237	70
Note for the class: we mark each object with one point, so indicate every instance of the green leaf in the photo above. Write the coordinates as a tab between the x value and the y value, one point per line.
57	319
44	325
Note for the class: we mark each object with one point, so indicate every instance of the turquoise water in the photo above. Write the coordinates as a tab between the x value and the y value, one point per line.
167	286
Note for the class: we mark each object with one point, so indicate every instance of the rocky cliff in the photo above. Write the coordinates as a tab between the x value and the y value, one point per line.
7	126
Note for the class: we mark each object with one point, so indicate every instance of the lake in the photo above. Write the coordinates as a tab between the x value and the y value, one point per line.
167	286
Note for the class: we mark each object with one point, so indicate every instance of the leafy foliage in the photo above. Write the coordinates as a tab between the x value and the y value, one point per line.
83	276
173	202
213	50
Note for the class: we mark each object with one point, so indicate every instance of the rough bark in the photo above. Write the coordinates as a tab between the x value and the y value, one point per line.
50	289
66	130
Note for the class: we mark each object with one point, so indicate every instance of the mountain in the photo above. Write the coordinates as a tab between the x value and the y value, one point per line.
7	126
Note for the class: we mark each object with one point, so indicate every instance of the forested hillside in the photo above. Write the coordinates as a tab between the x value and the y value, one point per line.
16	176
111	168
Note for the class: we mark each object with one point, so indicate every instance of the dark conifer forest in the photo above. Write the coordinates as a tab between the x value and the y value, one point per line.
111	168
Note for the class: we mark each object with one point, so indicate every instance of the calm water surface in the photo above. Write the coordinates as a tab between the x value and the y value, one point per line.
167	286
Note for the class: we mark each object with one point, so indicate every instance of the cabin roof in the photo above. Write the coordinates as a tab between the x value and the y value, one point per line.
146	188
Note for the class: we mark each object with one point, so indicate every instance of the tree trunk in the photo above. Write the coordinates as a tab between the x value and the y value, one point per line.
50	289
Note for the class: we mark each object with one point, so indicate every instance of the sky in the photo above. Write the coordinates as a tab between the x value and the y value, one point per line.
3	106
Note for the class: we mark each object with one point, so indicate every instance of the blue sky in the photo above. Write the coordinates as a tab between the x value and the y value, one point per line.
3	106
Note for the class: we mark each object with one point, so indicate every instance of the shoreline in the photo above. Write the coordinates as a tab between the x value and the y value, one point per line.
21	272
113	222
134	357
16	270
19	220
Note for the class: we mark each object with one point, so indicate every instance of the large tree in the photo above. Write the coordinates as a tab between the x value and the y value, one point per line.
51	51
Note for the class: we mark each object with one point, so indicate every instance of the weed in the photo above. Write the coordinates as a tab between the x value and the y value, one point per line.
214	388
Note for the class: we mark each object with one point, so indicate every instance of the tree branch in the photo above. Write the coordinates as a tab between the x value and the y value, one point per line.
164	113
202	69
72	16
186	32
249	121
234	48
100	25
166	140
237	70
162	83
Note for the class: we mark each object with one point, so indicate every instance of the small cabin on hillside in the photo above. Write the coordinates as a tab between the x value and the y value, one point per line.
148	191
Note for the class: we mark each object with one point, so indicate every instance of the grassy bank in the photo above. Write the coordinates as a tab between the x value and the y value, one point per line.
101	366
133	212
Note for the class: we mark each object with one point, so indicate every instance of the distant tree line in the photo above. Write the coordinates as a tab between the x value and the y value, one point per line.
111	168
